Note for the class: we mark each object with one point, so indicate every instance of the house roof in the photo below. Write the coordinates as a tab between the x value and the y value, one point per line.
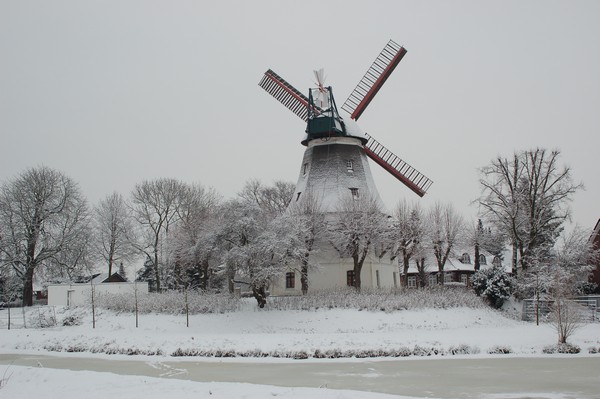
454	262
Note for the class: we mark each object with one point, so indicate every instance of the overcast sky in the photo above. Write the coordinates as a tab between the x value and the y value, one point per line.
116	92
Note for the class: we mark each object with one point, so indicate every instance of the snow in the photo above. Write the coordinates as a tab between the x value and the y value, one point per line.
24	382
269	331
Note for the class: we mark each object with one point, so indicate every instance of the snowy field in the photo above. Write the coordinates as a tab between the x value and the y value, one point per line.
413	334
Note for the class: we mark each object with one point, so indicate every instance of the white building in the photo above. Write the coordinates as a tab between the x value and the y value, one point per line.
80	294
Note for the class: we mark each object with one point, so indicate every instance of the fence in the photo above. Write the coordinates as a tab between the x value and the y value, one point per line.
543	307
27	317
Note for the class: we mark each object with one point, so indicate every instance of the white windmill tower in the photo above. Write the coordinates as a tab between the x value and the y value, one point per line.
335	162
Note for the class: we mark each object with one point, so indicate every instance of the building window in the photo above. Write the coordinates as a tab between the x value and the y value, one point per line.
350	279
395	276
448	277
465	258
432	280
349	165
464	278
497	261
298	195
412	282
354	192
290	280
377	279
482	260
305	169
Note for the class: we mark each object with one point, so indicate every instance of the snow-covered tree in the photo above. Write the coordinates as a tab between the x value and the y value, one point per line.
195	245
495	284
113	231
357	225
445	231
307	218
527	198
43	217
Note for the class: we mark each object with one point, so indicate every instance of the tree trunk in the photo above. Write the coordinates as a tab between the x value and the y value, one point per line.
476	264
28	286
260	296
357	269
405	266
304	276
156	274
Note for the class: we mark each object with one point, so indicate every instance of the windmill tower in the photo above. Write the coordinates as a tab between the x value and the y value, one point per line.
335	162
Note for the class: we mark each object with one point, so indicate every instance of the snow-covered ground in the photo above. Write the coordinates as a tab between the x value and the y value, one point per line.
472	333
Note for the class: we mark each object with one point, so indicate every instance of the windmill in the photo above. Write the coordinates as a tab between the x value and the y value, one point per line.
326	128
335	163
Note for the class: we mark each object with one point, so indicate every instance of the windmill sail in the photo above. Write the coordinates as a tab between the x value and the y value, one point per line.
375	77
286	94
412	178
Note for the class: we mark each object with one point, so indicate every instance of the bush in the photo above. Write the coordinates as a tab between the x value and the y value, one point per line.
499	350
494	284
379	300
562	348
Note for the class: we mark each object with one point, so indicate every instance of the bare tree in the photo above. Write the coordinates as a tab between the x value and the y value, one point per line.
483	238
273	199
408	234
113	231
445	232
42	214
357	224
527	198
156	205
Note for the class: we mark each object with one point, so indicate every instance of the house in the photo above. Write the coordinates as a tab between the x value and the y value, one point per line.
330	270
458	269
80	293
595	238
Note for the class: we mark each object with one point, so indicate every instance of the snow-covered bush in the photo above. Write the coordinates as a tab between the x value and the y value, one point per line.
562	348
500	350
494	284
379	300
170	302
463	349
42	318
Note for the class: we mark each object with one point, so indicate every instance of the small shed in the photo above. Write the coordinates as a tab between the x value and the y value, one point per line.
80	294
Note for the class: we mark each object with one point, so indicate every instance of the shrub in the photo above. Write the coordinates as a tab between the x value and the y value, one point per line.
463	349
562	348
500	350
494	284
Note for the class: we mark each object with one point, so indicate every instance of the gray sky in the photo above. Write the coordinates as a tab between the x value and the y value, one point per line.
116	92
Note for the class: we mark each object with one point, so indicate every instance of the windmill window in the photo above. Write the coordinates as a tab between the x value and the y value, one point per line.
350	278
350	165
465	258
482	260
298	195
354	192
305	169
290	280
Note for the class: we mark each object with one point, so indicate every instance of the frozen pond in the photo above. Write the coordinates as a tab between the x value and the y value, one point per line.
509	377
